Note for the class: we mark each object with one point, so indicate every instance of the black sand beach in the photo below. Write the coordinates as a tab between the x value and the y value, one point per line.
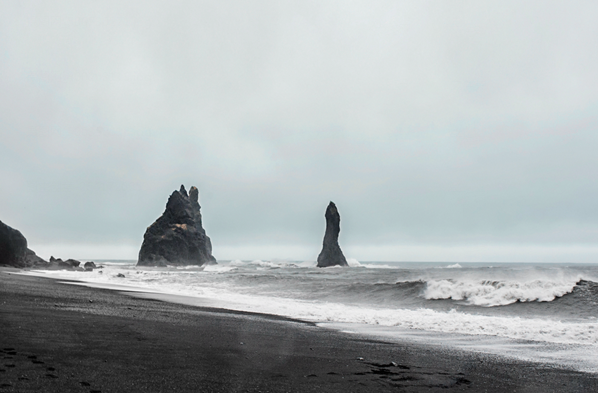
56	337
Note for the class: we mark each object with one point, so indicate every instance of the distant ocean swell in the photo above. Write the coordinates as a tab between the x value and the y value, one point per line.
479	293
475	292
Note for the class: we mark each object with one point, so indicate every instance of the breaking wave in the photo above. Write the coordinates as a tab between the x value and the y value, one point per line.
451	300
499	293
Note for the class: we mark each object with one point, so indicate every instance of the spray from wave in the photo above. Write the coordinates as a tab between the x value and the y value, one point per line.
499	293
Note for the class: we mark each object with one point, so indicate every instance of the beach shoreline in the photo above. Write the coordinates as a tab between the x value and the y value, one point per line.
70	338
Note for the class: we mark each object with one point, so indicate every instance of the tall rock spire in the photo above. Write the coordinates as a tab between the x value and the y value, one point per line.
331	254
177	237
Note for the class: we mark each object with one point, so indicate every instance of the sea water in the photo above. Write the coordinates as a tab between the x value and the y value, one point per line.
538	312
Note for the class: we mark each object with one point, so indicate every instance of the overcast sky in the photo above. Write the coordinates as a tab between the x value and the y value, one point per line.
443	130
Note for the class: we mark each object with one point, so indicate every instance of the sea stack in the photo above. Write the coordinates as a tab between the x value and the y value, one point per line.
13	249
177	237
331	254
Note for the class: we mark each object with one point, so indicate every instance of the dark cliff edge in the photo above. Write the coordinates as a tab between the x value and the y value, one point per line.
177	236
13	249
331	254
14	253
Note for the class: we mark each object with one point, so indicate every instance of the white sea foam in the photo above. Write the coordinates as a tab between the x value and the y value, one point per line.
574	356
220	268
265	264
307	264
198	284
534	329
455	266
499	293
377	266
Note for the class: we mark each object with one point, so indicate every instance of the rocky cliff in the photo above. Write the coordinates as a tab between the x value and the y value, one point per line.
331	254
177	237
13	249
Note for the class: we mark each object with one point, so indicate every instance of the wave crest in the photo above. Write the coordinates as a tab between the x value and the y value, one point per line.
498	293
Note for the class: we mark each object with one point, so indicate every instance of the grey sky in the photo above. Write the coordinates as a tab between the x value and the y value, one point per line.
459	130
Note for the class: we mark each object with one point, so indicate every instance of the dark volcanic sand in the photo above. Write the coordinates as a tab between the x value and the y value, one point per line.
56	337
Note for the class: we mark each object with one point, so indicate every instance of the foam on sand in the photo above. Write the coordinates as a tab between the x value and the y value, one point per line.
536	329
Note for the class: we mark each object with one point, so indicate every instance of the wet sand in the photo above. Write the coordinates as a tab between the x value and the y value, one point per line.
56	337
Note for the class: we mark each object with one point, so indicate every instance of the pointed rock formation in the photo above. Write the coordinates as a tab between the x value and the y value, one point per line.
331	254
13	249
177	237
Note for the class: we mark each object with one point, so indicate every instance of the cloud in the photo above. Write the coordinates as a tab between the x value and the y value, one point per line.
425	122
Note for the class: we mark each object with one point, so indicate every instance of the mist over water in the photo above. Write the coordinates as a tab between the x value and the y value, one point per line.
535	308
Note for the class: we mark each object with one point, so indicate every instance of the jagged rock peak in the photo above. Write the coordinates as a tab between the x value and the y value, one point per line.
331	254
177	237
183	191
194	195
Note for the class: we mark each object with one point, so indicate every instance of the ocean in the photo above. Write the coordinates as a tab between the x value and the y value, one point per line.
538	312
